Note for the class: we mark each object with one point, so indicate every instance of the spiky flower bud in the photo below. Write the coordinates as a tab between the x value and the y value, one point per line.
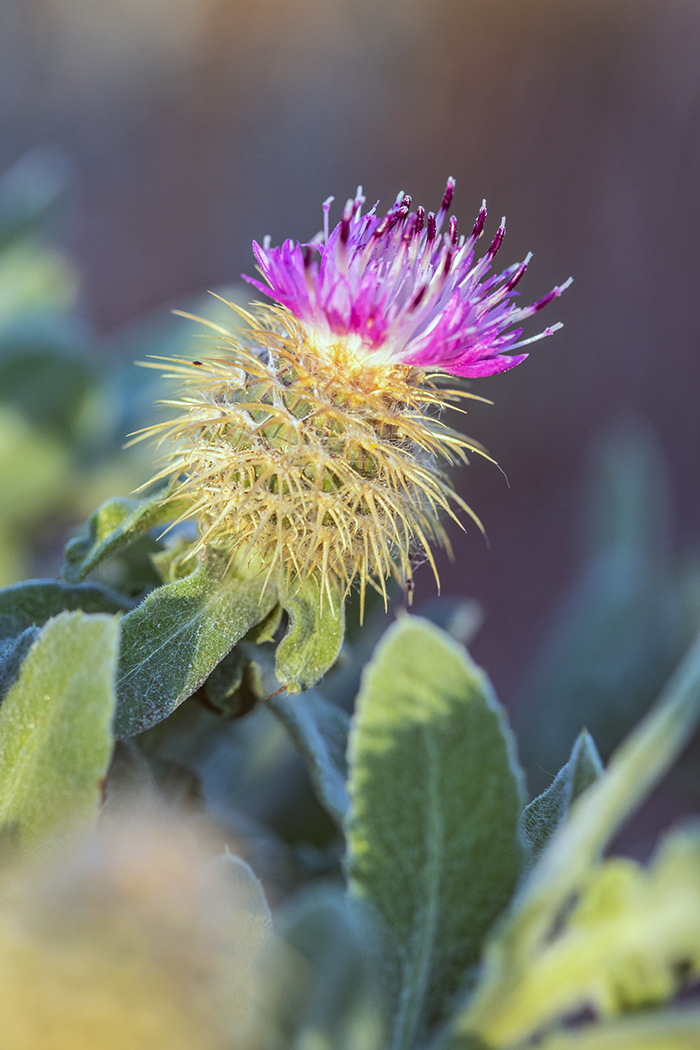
314	442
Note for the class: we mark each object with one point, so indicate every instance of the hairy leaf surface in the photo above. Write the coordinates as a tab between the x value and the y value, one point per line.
114	524
574	849
435	793
543	815
314	637
55	728
173	640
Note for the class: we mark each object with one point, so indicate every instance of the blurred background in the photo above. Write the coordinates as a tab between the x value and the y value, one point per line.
156	138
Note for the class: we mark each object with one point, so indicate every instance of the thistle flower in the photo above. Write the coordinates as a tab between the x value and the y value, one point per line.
315	443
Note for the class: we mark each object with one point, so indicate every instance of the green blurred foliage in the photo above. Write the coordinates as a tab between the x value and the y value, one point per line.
418	900
628	616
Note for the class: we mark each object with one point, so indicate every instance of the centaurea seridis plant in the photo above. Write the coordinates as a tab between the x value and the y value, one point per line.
316	441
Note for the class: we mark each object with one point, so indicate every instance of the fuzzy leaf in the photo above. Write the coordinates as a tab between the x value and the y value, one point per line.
237	683
663	1030
319	728
540	819
12	654
630	941
113	525
55	738
435	793
32	603
179	633
314	637
576	845
46	373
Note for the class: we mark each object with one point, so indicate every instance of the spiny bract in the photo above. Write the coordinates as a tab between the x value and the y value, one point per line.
314	444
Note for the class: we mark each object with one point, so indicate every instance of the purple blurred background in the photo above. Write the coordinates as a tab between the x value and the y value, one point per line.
196	125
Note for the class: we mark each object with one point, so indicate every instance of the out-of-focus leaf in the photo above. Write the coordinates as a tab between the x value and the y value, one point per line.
130	392
34	471
32	603
114	525
435	793
540	819
631	941
319	728
658	1030
314	637
623	627
35	279
55	736
129	782
30	189
172	641
322	984
45	372
575	847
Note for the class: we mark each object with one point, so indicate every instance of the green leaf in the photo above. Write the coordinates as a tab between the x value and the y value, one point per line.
575	847
175	561
321	983
540	819
32	603
172	641
35	279
46	373
55	738
235	685
319	728
35	474
246	674
314	637
12	654
435	793
631	941
664	1030
115	524
624	625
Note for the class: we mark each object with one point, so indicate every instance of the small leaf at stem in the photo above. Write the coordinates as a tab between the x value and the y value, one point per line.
114	524
175	638
314	637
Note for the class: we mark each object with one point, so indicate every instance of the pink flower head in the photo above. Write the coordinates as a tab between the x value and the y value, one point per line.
405	291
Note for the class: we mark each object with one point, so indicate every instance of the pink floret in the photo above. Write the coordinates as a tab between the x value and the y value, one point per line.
407	291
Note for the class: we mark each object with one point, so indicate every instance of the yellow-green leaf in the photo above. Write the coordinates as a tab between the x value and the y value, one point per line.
574	850
114	524
55	728
663	1030
314	637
